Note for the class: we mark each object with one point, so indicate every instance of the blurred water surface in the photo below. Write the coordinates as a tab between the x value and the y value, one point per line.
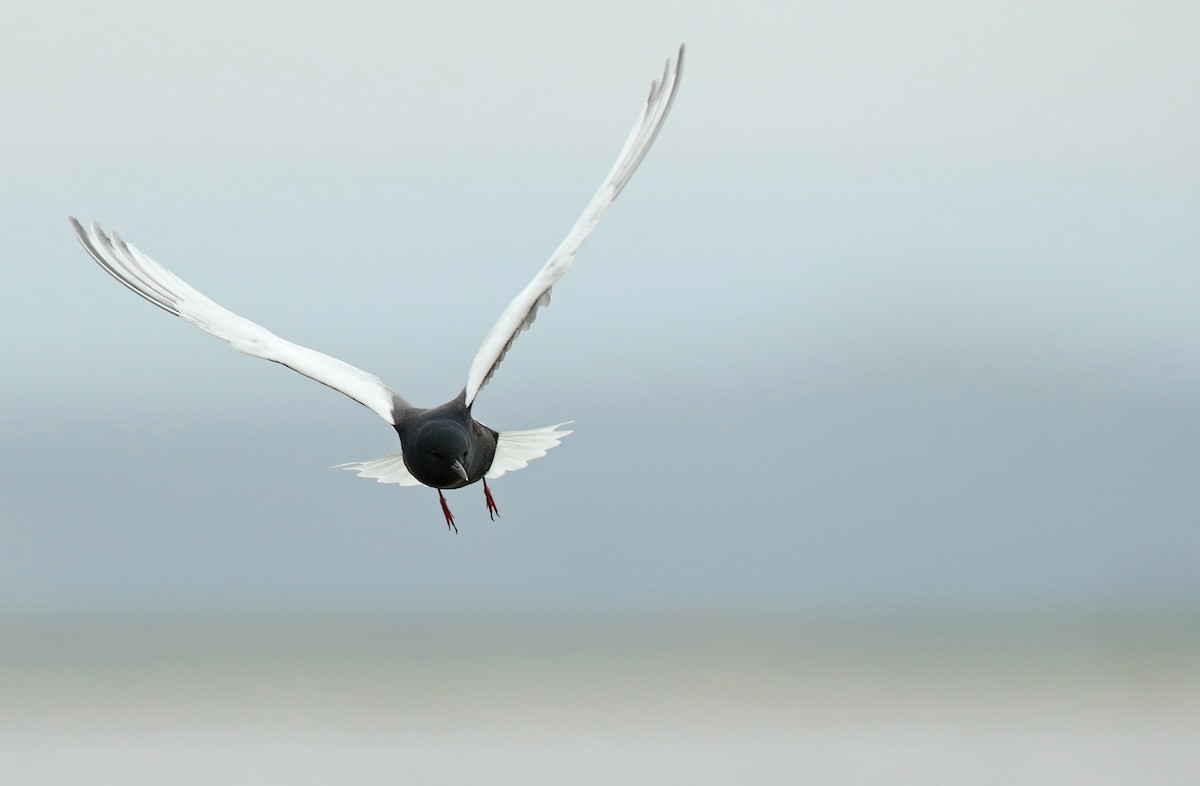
592	699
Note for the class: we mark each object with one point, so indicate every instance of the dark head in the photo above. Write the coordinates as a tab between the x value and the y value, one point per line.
439	455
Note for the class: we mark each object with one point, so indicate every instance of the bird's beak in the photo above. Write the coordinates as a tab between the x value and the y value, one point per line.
458	467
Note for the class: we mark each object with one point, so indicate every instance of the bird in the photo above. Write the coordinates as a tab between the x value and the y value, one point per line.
442	447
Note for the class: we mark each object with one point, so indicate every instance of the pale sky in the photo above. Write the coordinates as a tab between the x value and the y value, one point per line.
900	311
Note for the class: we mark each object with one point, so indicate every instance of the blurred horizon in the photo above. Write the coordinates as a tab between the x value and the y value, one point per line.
883	373
702	701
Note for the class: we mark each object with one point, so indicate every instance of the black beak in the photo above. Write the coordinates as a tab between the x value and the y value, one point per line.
458	467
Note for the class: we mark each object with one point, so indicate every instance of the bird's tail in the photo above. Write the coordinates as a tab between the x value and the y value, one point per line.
514	450
385	469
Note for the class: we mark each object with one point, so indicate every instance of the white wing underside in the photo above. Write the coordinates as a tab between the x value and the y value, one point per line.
521	313
152	281
514	450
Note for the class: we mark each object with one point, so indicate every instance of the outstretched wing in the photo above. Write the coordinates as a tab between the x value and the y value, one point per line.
523	310
152	281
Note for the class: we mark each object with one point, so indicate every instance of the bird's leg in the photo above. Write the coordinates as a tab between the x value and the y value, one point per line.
449	515
493	511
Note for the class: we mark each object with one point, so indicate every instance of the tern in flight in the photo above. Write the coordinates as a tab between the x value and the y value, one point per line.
443	447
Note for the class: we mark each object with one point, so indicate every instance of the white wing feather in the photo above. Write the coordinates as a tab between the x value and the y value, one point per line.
514	450
521	313
164	289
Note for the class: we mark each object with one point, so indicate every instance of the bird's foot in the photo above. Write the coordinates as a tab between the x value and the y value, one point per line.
493	511
448	514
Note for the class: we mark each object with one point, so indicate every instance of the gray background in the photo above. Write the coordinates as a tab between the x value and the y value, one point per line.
897	322
900	311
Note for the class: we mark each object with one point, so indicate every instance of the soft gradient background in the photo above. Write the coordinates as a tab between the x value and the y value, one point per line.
884	373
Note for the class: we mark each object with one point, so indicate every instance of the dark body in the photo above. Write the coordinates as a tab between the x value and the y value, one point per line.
442	447
433	440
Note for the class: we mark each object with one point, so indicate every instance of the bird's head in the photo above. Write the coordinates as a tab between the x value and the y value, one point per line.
440	455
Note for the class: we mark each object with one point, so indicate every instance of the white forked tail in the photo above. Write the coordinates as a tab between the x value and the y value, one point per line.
385	469
514	450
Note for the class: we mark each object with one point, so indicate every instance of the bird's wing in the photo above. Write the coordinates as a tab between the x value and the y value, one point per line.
521	312
515	449
152	281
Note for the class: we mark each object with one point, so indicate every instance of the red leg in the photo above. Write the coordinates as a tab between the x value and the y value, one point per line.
493	511
446	510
